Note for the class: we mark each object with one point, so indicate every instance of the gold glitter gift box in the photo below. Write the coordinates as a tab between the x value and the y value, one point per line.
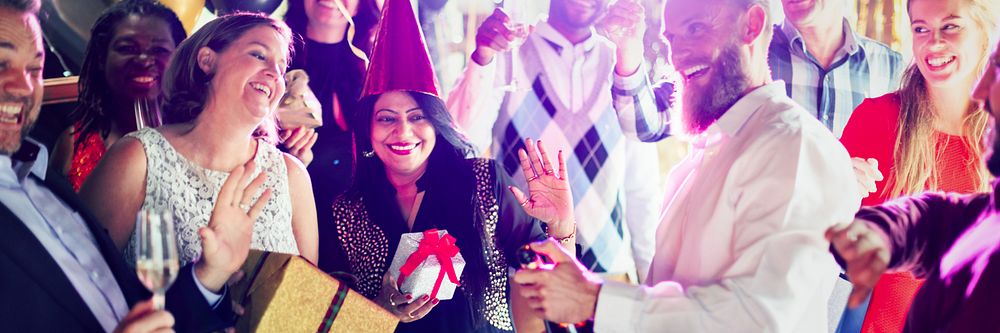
286	293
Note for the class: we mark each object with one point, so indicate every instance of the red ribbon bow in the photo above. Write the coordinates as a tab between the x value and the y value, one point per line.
444	248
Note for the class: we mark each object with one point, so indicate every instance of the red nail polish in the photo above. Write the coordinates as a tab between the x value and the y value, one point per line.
436	301
409	297
424	298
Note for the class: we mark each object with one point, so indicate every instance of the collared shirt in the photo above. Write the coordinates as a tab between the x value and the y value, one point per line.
564	99
66	238
862	68
740	245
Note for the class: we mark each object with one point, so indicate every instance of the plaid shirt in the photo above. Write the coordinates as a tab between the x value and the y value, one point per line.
863	68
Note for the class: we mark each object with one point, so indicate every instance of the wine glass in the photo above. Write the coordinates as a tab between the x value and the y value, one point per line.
147	114
519	24
156	252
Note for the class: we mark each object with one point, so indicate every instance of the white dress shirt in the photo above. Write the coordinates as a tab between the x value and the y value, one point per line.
740	245
66	238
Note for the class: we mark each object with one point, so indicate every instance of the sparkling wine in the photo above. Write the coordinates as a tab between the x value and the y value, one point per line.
157	276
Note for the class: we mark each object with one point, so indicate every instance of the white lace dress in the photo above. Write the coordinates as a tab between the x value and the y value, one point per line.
190	191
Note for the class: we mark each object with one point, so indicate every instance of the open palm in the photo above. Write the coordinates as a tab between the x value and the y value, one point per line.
549	198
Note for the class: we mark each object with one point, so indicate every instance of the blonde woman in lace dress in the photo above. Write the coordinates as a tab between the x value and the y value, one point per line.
222	88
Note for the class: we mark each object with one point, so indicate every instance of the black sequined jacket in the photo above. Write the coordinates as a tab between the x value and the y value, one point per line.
472	202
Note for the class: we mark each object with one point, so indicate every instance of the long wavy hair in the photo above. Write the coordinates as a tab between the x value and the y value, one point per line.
94	104
916	145
446	164
450	145
186	86
365	20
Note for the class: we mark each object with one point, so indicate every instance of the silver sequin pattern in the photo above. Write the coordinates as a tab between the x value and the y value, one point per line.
497	310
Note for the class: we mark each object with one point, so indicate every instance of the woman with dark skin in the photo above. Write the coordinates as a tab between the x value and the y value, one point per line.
129	48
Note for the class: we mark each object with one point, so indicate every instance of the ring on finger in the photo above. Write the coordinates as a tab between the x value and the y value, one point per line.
525	202
532	178
550	172
244	207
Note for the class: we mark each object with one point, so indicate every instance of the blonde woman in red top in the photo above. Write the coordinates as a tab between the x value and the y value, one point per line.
928	134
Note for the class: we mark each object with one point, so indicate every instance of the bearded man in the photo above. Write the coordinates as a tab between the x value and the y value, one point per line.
740	244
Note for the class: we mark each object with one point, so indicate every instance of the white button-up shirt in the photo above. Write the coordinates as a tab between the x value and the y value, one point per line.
740	245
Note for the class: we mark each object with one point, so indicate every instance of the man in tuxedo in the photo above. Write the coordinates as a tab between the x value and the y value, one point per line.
60	270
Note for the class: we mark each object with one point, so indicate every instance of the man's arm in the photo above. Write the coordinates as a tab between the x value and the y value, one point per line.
474	101
784	195
921	229
643	109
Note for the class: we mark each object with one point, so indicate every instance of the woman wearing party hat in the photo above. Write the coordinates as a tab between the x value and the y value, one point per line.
413	173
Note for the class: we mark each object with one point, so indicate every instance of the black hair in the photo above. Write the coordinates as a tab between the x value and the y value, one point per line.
451	146
95	94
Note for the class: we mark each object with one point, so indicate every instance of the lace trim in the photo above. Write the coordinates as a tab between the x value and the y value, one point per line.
190	192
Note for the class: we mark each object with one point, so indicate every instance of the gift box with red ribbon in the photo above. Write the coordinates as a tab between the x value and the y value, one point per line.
427	263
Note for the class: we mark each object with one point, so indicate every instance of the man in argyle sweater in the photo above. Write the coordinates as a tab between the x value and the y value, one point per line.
562	75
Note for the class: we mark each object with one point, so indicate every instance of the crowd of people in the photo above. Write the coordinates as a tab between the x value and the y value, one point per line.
830	186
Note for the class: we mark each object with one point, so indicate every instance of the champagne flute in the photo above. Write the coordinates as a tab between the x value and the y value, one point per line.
147	114
517	11
156	252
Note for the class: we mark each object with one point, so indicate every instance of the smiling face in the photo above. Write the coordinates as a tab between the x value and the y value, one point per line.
21	60
947	44
324	12
578	13
250	71
137	56
706	52
401	135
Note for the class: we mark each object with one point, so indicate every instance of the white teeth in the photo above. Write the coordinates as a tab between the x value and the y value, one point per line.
10	109
262	88
940	61
403	148
143	79
10	113
695	69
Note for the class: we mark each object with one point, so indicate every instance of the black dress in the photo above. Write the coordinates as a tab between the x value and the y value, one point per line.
471	201
332	69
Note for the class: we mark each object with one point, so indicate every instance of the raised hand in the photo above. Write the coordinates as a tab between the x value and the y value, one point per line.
225	241
299	142
143	318
866	253
494	37
549	198
867	174
625	25
402	306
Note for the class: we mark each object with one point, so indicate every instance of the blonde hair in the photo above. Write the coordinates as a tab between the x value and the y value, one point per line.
915	150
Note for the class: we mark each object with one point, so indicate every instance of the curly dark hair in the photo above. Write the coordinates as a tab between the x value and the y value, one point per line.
186	86
95	94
